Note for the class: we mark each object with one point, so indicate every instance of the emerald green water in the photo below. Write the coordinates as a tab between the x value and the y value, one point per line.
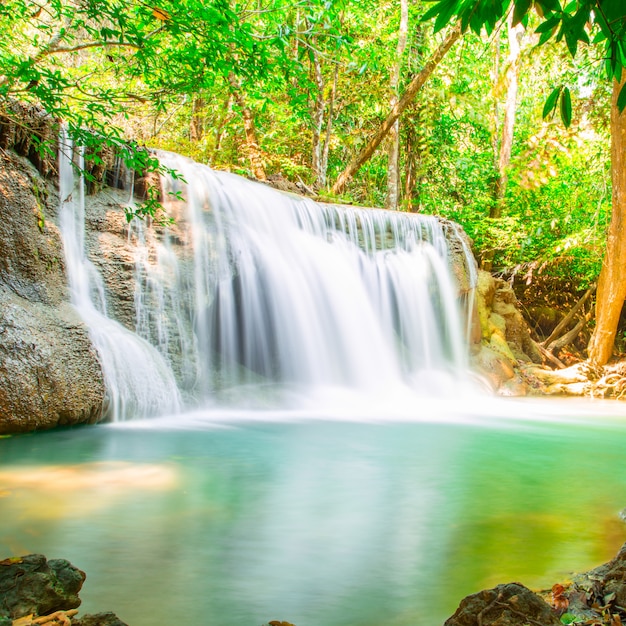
234	522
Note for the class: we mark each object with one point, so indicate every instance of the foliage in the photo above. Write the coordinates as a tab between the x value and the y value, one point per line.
90	61
138	74
606	19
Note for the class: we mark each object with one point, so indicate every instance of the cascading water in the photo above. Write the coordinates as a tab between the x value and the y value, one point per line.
262	287
263	299
138	380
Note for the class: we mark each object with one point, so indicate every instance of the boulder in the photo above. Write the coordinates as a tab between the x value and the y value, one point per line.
510	604
33	585
49	372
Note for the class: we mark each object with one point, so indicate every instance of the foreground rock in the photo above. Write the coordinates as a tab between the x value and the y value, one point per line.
49	371
33	585
505	605
36	591
595	598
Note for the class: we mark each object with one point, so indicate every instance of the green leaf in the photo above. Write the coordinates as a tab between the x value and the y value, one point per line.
621	99
599	37
548	26
566	107
446	14
440	7
520	10
549	5
572	42
544	38
551	101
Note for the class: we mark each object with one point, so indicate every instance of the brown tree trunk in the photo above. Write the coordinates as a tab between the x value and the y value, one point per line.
414	86
409	169
252	144
196	127
612	280
393	152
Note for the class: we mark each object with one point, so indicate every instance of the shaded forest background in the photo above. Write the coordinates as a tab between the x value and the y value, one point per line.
294	90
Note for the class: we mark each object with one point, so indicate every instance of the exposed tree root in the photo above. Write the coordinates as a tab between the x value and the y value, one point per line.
58	618
582	379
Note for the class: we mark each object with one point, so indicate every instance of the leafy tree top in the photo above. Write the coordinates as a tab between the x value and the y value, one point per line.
598	22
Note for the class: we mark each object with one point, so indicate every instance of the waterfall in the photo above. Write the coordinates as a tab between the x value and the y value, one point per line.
253	287
138	380
253	296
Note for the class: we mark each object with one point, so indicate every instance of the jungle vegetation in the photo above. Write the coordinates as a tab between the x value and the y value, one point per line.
502	115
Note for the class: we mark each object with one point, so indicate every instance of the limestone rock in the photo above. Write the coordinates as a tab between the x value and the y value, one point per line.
49	372
511	604
31	584
503	341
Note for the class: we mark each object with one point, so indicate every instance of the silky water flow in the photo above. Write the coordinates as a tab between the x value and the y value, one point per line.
264	299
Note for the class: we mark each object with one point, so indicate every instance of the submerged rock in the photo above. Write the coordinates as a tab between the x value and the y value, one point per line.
511	604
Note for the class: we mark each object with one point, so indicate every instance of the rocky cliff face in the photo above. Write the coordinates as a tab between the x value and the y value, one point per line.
49	372
501	338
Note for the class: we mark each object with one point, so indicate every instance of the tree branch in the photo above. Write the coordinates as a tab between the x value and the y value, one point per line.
564	323
414	86
85	46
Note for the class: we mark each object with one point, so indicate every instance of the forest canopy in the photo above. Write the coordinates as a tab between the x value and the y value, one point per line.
508	134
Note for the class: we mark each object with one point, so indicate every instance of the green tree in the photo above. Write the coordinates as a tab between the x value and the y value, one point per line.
90	62
605	21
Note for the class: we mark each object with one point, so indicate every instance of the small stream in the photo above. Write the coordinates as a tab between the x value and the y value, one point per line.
237	518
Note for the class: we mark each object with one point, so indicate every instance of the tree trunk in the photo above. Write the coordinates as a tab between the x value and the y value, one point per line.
329	129
612	280
409	169
506	143
318	115
414	86
503	137
252	144
196	127
394	133
223	122
495	129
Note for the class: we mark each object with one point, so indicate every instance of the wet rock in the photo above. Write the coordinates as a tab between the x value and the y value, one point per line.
49	372
511	604
99	619
32	584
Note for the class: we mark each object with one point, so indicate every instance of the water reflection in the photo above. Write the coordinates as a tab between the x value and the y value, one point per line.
313	522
